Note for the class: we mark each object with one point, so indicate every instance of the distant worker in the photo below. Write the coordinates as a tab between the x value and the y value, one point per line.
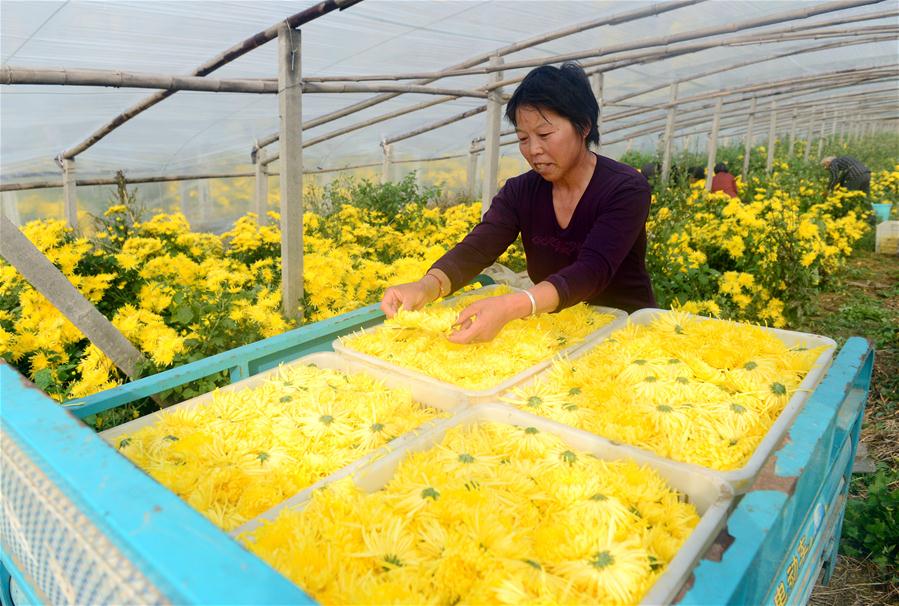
724	181
696	173
847	172
650	170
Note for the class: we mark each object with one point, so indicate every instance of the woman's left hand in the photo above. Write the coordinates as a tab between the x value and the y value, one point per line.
481	321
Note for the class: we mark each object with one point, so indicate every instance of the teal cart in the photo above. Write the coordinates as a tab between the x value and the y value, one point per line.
82	525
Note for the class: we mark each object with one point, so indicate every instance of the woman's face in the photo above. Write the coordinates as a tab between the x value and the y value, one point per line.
548	141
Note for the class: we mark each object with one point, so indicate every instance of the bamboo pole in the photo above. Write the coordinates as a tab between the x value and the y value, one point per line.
291	143
753	62
803	85
597	80
428	104
713	145
223	58
733	125
792	133
353	127
204	200
821	137
52	284
472	171
435	125
122	79
9	207
126	79
733	121
669	135
809	135
260	202
491	153
70	197
387	153
747	143
817	9
405	111
772	137
652	10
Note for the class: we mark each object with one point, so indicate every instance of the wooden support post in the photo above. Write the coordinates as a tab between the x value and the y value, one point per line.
630	144
491	140
386	161
669	135
821	137
260	194
688	141
713	145
50	282
597	81
291	154
472	171
69	193
833	127
747	144
792	132
772	137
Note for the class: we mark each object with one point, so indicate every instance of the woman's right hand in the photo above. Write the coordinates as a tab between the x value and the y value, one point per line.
411	296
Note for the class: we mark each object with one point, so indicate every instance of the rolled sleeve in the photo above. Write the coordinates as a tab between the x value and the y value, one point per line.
486	242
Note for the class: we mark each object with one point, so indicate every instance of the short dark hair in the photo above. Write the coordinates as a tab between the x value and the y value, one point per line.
564	90
721	167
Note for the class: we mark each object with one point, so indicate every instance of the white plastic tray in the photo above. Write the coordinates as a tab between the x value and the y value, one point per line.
421	380
741	479
710	495
444	399
437	398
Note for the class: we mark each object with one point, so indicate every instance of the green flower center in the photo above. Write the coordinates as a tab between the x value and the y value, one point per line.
602	559
430	493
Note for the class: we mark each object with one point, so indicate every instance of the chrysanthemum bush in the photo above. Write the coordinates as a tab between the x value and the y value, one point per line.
180	296
492	514
761	257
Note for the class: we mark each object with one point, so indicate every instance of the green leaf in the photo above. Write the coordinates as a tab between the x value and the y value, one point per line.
43	378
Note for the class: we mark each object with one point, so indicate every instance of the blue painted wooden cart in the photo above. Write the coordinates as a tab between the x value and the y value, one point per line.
81	524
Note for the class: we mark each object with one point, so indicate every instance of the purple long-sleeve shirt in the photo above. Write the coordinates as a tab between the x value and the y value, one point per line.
599	258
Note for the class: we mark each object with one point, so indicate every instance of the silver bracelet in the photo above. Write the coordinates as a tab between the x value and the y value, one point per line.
533	302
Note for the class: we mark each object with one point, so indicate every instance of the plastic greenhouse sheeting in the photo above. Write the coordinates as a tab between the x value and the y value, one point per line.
212	132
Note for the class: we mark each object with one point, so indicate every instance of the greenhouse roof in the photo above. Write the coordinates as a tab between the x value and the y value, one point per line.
204	131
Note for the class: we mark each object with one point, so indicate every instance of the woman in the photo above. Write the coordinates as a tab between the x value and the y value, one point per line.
581	217
724	181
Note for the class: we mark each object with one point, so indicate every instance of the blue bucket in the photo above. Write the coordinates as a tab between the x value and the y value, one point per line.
882	211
